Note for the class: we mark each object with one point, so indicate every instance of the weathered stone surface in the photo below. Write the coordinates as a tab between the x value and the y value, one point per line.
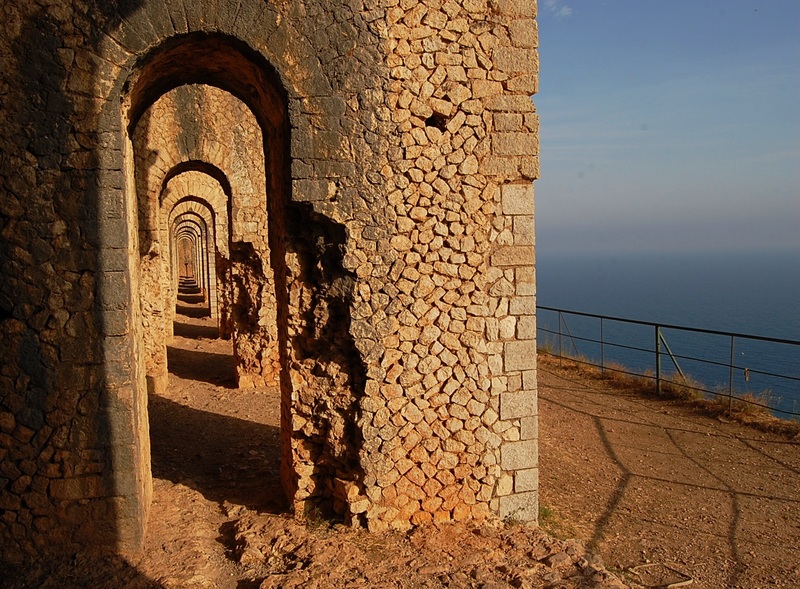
518	404
520	355
517	199
529	428
526	480
513	255
520	506
347	188
519	455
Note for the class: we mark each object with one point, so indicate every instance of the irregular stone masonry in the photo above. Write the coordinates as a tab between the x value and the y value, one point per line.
361	174
459	372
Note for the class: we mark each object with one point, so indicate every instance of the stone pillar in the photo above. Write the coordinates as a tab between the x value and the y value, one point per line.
518	485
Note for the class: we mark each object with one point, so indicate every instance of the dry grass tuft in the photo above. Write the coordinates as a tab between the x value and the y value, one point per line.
745	409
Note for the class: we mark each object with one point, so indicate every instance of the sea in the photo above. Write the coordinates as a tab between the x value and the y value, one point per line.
747	293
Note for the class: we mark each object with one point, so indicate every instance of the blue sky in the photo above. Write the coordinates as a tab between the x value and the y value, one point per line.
669	125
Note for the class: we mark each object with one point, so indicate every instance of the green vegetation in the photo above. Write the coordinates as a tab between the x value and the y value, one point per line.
553	524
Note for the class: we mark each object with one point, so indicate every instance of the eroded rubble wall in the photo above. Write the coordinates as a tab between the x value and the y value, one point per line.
400	241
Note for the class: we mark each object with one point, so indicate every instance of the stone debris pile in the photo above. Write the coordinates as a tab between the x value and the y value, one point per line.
494	556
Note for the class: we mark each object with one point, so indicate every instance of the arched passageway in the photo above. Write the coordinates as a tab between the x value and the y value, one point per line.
202	188
391	233
200	158
202	150
280	283
192	262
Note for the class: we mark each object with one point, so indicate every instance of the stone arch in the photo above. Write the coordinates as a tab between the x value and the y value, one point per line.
408	292
200	216
198	184
163	71
188	238
189	131
206	184
311	282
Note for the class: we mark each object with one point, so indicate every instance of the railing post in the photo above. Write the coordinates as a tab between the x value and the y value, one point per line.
560	349
602	349
730	379
658	359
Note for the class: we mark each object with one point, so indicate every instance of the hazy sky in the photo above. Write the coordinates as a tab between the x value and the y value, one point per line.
669	125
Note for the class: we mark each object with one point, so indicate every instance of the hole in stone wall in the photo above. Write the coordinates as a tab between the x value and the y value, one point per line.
437	120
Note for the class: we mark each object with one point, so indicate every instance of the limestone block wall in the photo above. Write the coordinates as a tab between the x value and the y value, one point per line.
389	148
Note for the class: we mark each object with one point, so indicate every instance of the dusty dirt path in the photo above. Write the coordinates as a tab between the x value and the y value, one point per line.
215	456
647	480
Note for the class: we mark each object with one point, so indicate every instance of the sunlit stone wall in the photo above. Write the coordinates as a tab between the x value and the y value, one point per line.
378	160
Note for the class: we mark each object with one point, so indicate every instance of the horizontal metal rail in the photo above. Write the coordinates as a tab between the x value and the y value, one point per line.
670	326
659	344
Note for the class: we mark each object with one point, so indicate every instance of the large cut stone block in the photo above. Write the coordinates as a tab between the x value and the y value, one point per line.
513	255
520	355
517	404
517	199
526	480
521	506
520	455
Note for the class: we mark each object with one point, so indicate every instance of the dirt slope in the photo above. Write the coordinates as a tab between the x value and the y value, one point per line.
646	480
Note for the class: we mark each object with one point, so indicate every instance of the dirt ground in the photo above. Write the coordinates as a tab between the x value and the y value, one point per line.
636	480
219	518
645	480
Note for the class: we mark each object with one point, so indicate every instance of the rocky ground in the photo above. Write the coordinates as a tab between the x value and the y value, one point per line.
638	481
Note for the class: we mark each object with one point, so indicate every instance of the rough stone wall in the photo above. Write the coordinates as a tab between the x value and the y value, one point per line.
399	143
453	405
59	394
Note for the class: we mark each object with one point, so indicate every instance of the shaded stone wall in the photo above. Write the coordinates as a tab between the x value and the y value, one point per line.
393	233
57	487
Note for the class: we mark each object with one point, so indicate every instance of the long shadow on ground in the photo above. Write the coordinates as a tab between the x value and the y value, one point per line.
192	310
216	369
193	331
660	470
99	571
224	458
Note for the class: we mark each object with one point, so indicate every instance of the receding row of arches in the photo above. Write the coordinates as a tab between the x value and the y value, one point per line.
201	192
208	157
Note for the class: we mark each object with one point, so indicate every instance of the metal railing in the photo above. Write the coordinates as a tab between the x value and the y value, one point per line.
710	353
